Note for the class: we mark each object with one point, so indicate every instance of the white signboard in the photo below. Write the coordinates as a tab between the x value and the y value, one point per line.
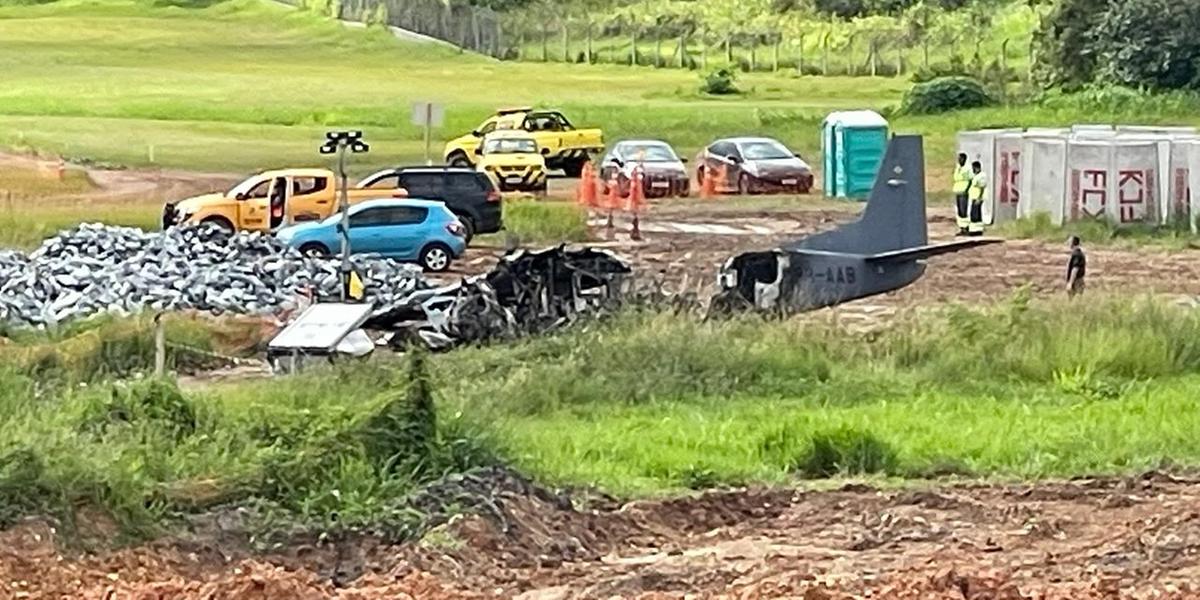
321	327
428	114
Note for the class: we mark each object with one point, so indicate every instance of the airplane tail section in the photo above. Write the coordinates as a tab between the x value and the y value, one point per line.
894	218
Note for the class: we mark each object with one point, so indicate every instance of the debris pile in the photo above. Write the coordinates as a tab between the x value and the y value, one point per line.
97	268
527	293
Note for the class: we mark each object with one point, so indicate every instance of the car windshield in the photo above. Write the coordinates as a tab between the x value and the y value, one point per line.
510	146
244	187
647	152
764	150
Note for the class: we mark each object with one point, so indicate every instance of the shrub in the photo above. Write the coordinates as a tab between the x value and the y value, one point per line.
720	82
846	452
945	94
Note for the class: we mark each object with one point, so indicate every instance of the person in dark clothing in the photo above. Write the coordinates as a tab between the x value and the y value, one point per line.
1076	268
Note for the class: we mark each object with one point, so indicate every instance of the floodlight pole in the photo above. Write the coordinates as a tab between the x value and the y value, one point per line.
344	206
339	142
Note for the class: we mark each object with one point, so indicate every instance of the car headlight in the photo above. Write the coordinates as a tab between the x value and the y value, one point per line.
750	168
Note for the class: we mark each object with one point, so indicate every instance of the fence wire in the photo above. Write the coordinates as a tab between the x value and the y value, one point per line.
473	28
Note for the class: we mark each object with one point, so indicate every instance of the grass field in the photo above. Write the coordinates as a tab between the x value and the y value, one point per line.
248	84
645	404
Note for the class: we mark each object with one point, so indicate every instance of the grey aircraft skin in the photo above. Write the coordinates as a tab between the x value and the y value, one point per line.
884	250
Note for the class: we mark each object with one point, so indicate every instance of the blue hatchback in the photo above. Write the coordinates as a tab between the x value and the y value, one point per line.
421	231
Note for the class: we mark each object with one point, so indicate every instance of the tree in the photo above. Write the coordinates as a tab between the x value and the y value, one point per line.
1149	43
1139	43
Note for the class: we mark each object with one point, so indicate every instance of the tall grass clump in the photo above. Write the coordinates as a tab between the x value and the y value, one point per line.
545	222
1175	234
636	357
1024	341
339	446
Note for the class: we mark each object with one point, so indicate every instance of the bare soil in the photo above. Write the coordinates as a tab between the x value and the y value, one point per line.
1136	537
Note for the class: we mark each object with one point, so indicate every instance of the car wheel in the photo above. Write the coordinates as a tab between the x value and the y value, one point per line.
314	250
573	168
220	222
458	159
436	257
744	185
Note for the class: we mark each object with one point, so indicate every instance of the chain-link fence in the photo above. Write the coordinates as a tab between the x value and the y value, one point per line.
658	42
473	28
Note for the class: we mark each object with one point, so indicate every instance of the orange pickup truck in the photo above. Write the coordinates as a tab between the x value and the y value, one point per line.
270	200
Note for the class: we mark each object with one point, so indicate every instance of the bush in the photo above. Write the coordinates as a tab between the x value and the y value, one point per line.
846	452
945	94
1136	43
719	83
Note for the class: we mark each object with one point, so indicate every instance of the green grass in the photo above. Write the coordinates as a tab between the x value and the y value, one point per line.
1176	236
545	222
653	403
247	85
646	403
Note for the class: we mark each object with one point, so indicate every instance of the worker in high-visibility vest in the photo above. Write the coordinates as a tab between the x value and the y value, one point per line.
975	193
962	183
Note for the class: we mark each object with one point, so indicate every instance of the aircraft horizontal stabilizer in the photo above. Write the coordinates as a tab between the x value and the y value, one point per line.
921	252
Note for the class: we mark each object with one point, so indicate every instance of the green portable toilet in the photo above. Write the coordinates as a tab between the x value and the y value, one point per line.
852	143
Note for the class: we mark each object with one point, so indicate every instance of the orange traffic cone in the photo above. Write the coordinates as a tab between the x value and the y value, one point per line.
637	198
586	196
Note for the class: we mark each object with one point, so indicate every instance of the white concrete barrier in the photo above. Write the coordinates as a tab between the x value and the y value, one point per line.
1126	174
995	150
1044	177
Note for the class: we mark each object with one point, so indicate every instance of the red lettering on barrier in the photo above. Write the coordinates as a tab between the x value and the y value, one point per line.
1183	193
1093	194
1132	193
1010	189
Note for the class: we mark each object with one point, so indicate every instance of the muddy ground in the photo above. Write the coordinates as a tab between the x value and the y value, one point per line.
1106	538
1136	537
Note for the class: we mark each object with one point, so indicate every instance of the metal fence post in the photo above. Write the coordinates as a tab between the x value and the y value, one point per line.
160	345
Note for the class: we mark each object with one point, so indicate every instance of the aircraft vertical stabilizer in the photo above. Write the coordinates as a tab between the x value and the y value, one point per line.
894	218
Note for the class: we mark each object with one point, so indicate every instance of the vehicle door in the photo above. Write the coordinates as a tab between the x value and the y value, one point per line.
465	195
253	206
487	127
368	229
424	185
405	232
312	198
546	129
567	134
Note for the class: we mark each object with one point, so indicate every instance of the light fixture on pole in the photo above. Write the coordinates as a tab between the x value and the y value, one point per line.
338	142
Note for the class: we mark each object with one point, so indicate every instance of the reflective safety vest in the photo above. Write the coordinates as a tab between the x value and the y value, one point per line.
978	184
962	179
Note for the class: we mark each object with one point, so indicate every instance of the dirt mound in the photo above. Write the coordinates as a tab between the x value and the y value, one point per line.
1094	539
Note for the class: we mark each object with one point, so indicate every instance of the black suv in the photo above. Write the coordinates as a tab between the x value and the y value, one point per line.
468	194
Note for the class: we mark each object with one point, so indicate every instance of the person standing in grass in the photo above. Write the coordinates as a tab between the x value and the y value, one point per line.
1076	268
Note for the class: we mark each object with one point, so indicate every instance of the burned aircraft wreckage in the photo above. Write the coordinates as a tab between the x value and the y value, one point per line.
882	251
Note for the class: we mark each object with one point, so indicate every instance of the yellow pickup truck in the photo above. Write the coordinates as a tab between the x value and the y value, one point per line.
269	200
562	145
